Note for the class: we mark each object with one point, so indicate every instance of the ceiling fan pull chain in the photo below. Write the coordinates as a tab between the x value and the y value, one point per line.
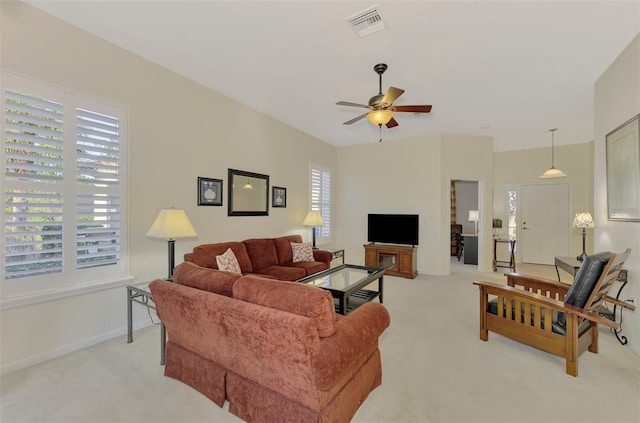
380	126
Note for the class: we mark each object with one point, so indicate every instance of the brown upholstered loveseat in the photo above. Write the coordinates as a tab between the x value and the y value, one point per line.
275	350
271	257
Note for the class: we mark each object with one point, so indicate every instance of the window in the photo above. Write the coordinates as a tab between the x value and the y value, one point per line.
64	186
321	200
511	198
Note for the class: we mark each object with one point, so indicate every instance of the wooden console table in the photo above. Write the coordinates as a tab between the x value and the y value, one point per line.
399	260
571	265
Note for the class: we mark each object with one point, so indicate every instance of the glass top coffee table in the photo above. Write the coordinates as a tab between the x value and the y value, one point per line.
345	283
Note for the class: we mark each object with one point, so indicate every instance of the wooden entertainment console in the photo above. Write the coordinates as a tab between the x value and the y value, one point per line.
399	260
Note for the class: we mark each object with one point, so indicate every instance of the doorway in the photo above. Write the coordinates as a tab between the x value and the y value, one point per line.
545	229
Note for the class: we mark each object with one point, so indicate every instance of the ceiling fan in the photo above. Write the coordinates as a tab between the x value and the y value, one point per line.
381	108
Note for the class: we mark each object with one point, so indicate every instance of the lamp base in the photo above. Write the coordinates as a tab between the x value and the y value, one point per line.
582	256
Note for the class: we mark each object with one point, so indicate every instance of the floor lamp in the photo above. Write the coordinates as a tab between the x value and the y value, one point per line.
583	220
171	224
313	219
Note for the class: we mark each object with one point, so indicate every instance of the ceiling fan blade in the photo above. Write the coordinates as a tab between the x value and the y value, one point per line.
392	123
392	94
415	109
347	103
355	119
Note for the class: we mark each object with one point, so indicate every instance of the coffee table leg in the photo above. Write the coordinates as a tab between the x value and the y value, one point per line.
380	288
129	317
342	304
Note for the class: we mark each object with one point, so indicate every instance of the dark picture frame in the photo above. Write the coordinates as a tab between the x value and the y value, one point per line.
209	191
248	193
623	171
278	197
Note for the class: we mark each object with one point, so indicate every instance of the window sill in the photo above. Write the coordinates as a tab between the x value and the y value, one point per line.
62	292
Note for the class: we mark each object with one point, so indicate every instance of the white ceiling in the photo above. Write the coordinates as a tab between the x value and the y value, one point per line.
520	67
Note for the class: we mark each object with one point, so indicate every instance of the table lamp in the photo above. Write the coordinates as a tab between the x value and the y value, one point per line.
171	224
473	217
497	225
583	220
313	219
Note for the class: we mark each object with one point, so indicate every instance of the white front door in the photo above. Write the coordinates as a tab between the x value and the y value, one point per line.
546	223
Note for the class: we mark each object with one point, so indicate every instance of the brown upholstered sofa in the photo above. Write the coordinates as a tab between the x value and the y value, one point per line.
271	257
275	350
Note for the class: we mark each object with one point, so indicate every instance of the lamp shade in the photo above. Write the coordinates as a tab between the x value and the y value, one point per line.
171	224
380	117
583	220
313	219
473	215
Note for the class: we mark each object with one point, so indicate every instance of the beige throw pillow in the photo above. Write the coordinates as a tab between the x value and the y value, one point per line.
302	251
228	262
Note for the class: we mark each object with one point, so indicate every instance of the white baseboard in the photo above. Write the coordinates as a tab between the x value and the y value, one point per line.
66	349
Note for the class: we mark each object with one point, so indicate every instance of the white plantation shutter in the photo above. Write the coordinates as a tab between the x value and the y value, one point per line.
321	200
33	150
63	187
98	199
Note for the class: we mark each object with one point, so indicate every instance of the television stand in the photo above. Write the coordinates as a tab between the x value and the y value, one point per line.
399	260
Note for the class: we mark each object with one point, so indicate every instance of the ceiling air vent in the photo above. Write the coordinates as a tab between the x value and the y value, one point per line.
367	22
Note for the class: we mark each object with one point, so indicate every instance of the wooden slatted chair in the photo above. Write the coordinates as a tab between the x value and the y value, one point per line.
519	310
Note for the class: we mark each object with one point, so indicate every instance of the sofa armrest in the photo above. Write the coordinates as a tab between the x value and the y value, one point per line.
355	339
323	256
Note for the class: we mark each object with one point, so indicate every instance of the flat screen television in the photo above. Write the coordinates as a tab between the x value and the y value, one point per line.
393	228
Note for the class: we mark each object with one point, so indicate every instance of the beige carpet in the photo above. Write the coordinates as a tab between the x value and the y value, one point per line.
435	369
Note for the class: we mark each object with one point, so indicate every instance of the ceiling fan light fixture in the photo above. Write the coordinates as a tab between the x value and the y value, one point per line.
380	117
552	172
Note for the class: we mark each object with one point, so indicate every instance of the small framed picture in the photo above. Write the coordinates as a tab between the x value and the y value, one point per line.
278	197
209	192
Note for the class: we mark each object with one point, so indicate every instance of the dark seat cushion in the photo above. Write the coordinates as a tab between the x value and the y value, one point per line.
584	282
586	279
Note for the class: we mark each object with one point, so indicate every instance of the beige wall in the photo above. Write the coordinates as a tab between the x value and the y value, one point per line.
178	131
525	166
617	99
412	176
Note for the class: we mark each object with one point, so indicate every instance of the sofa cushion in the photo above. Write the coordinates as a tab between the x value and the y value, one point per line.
310	267
302	251
297	298
262	252
284	273
206	279
283	247
228	262
205	255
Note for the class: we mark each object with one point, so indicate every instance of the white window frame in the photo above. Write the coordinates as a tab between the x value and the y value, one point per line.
320	199
71	280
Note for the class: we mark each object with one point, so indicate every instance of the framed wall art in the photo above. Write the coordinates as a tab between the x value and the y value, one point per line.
209	192
623	171
279	197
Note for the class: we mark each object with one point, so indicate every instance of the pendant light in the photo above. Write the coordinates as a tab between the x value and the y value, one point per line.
552	172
